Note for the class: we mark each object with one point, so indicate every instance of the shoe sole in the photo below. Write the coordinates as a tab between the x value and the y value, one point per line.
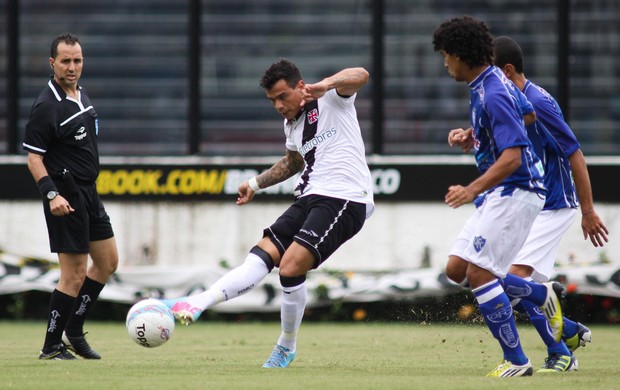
574	366
70	347
58	356
185	313
514	372
528	372
185	317
585	338
552	309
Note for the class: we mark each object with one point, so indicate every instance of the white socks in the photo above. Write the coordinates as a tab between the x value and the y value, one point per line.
293	305
236	282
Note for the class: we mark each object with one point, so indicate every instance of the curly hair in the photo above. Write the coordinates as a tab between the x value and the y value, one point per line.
67	38
507	51
467	38
281	70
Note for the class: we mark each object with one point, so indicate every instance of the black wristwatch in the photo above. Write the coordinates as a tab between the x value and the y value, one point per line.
52	194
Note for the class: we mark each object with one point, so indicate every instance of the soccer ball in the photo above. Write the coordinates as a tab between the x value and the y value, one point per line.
150	323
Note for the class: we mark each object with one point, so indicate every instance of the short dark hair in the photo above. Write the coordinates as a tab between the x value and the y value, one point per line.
467	38
281	70
507	51
67	38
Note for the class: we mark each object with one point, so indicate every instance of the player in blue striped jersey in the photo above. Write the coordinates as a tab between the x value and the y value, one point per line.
558	148
509	193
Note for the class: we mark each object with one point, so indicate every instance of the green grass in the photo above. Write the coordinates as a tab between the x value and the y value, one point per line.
330	356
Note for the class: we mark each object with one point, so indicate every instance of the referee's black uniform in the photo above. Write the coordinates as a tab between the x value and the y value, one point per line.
64	130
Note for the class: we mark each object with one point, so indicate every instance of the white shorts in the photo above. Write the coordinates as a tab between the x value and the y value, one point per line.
540	249
492	237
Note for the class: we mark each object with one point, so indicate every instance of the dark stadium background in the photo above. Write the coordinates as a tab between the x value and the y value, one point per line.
179	78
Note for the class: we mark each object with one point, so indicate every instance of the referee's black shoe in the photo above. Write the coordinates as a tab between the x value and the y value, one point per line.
80	346
56	352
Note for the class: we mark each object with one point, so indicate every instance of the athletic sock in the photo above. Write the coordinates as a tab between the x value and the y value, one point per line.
236	282
517	287
497	312
294	301
542	327
88	295
59	311
569	329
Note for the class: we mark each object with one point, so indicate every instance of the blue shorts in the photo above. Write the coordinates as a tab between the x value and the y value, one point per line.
319	223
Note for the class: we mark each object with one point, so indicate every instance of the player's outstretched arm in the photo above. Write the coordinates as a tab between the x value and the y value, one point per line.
347	82
591	223
286	167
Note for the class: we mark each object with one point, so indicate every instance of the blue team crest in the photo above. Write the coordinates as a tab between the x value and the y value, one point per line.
479	243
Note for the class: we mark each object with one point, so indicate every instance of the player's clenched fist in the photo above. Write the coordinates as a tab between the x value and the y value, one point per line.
458	196
461	138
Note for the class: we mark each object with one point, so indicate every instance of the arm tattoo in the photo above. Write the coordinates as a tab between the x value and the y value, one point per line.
288	166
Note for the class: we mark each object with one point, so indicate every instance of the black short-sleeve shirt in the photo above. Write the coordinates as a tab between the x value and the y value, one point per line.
64	130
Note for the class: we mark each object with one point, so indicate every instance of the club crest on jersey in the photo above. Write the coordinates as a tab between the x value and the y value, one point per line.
313	116
479	243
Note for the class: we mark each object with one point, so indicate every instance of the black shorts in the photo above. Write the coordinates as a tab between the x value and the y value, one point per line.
319	223
89	222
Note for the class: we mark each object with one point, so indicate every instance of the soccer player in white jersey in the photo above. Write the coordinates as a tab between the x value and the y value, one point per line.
333	197
508	194
558	148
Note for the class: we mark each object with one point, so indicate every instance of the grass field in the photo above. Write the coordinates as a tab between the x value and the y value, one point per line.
223	355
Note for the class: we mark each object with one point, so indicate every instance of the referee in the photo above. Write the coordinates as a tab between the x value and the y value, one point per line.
61	141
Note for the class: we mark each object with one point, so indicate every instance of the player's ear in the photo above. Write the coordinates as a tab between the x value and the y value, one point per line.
509	70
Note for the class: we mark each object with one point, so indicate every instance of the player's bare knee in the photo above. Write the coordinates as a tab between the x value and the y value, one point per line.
478	276
455	275
71	282
456	270
101	269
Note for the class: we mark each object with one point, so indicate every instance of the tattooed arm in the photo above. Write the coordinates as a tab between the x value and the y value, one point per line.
288	166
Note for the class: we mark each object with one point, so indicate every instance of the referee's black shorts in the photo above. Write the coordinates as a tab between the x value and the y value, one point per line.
89	222
319	223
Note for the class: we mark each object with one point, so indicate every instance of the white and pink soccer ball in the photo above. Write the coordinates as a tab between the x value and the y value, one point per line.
150	323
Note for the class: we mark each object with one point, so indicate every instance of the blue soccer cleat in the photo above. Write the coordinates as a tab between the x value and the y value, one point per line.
280	358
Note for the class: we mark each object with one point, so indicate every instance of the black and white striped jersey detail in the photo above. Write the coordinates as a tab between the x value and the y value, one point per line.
329	140
311	123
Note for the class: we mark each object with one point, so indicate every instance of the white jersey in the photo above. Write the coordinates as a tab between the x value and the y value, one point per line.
328	136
